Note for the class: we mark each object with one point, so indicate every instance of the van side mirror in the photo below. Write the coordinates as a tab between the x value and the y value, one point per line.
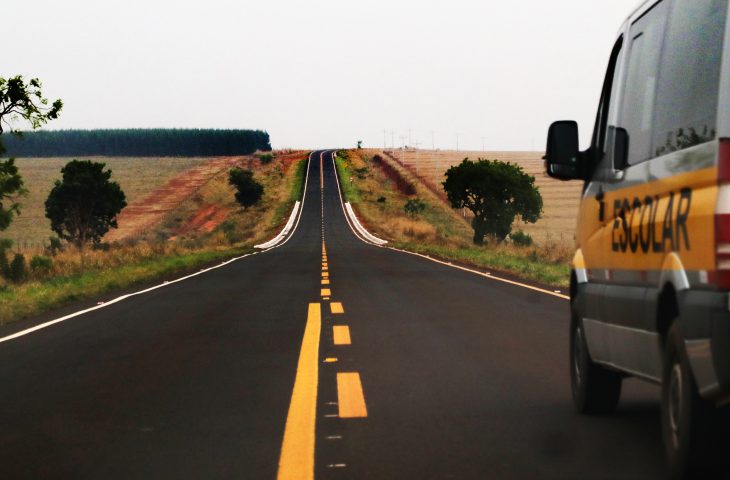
620	148
562	156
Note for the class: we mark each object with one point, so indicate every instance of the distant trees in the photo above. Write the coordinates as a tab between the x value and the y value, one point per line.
495	192
84	204
139	143
248	190
19	100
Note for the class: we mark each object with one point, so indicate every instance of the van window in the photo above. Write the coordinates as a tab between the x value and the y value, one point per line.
689	78
645	42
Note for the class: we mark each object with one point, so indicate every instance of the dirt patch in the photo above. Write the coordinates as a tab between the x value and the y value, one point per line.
205	220
148	212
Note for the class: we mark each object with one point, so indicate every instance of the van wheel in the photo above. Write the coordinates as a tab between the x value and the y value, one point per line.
595	388
686	417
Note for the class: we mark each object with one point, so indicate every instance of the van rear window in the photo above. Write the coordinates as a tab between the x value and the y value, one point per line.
689	75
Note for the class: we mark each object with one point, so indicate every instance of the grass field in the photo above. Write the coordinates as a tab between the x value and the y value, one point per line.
137	177
560	199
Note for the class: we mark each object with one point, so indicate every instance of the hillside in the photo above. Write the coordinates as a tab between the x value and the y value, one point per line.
560	199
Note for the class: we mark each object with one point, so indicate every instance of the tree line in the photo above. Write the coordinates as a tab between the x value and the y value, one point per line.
158	142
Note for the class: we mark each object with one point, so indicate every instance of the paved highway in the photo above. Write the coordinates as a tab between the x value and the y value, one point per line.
324	356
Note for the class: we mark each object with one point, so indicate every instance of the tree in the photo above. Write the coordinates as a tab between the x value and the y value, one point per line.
248	190
495	192
25	100
11	188
84	204
19	99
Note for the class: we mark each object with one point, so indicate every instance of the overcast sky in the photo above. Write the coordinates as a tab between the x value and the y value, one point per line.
321	73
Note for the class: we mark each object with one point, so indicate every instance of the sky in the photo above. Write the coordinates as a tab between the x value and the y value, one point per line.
322	73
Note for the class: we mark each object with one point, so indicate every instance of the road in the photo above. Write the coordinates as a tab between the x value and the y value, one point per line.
325	353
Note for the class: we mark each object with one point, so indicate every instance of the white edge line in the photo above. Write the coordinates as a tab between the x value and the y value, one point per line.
446	264
164	284
342	204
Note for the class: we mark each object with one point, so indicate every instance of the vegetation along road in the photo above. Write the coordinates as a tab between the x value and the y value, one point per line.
325	356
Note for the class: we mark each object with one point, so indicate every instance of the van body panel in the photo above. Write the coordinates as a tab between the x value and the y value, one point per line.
652	193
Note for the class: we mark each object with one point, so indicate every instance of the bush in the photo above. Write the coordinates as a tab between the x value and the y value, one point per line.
4	265
382	199
229	232
266	158
5	245
521	239
41	265
54	246
414	207
18	269
248	190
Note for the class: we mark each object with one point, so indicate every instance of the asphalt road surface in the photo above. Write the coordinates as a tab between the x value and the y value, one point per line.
325	355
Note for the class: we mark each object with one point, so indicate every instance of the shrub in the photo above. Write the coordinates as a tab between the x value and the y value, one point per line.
229	232
248	190
41	265
521	239
414	207
18	269
4	265
5	245
266	158
382	199
54	246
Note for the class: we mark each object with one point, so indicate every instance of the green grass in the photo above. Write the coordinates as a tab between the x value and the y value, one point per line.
295	193
556	274
29	299
344	170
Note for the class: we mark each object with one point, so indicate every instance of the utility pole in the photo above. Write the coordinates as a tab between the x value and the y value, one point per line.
482	144
457	141
384	143
392	139
432	142
409	138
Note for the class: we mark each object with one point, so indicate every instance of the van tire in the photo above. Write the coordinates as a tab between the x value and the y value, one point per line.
596	390
686	417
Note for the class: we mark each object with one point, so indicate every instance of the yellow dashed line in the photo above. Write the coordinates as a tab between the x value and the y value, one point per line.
350	397
325	292
297	449
325	274
336	307
330	360
341	334
325	282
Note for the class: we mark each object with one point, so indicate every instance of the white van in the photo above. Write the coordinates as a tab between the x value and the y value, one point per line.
651	274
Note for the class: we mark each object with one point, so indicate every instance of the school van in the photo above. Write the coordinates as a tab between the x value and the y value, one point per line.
651	274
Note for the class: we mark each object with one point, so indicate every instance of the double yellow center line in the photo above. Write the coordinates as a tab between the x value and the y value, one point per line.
298	446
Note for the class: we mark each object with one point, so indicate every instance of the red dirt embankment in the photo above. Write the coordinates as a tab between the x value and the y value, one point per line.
148	212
